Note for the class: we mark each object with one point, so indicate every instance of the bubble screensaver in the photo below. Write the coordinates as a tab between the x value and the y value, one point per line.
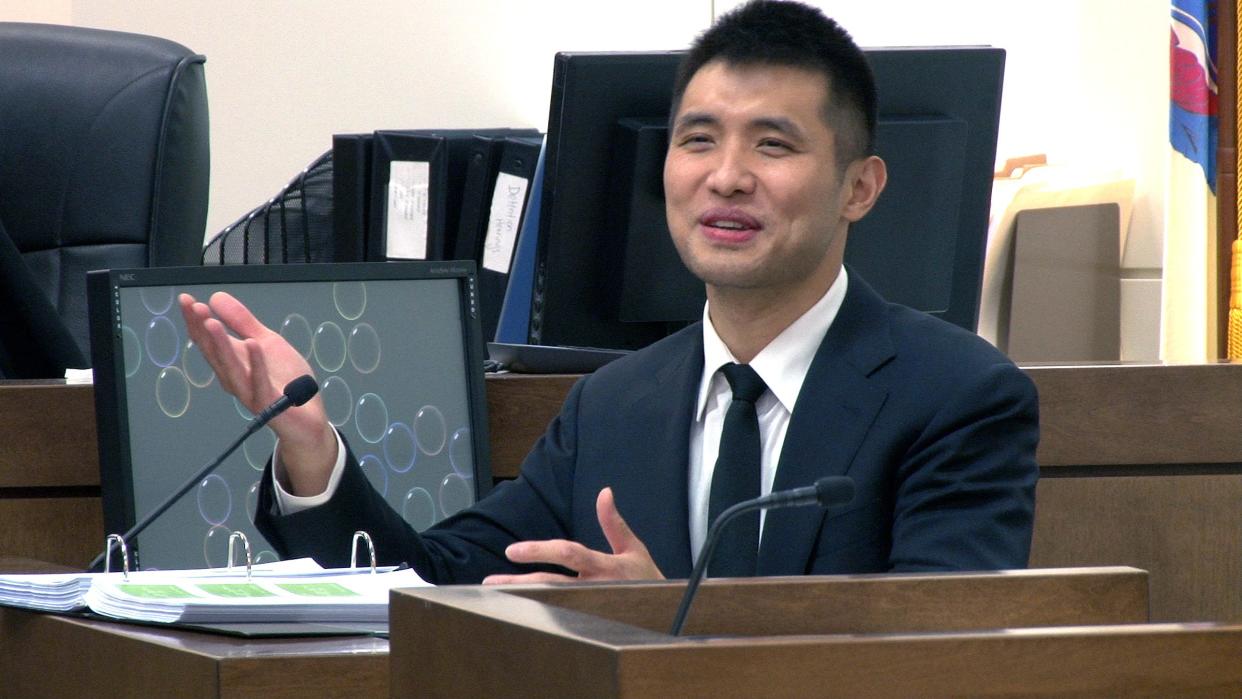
390	359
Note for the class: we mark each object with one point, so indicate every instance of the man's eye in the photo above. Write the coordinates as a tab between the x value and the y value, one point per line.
695	139
771	144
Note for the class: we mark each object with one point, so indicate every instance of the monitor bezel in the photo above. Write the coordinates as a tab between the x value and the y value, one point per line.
111	406
570	296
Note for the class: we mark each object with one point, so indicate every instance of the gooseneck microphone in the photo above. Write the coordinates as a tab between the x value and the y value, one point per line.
827	492
296	392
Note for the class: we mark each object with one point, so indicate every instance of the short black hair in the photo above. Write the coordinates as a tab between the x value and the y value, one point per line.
793	35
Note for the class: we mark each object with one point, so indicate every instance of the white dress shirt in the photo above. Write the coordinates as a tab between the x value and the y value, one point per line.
782	365
288	503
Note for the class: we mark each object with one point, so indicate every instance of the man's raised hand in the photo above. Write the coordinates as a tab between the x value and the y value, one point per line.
253	363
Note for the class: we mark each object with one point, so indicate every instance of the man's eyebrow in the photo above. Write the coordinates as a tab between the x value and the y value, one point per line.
779	124
693	119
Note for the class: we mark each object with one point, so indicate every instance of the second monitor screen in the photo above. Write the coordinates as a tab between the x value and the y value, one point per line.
388	355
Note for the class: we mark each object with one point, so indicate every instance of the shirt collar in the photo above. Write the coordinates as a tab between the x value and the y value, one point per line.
784	363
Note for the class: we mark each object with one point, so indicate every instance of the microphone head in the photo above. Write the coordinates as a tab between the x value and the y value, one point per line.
831	491
301	389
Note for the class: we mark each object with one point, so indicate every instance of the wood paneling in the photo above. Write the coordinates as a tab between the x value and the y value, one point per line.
49	656
47	430
1121	415
1185	529
519	408
1115	415
1090	415
67	531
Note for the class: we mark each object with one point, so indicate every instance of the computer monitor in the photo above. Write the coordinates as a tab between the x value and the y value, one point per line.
398	356
607	274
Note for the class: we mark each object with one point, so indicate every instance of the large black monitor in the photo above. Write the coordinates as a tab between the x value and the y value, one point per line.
395	348
607	274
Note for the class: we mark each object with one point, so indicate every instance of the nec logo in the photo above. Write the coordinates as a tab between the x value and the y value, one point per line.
128	277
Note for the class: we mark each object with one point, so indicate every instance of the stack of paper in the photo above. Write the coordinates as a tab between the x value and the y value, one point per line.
48	593
67	592
339	596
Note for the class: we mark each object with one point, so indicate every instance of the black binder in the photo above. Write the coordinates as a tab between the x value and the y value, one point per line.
483	162
351	186
495	256
409	235
431	215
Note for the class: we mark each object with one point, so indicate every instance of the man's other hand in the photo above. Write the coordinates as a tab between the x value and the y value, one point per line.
629	559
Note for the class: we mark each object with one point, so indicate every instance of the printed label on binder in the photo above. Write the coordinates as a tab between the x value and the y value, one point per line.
405	224
502	226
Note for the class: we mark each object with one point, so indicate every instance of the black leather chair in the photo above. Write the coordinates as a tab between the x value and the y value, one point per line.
104	163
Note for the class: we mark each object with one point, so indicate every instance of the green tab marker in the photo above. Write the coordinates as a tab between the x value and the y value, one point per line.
154	591
318	589
235	590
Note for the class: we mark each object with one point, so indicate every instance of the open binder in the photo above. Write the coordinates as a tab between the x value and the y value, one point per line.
266	599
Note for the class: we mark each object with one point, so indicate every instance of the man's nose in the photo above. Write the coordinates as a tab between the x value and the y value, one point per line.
732	173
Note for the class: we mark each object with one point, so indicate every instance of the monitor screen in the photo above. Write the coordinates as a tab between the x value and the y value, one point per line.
607	274
395	348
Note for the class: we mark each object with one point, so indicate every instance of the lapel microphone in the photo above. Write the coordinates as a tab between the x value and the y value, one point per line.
829	491
296	392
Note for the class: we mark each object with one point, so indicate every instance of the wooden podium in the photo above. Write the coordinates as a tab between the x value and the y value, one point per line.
1074	632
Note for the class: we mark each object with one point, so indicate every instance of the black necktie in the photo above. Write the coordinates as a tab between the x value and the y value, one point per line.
736	477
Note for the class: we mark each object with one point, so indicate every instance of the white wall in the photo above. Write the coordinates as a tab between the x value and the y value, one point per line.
283	76
1086	82
45	11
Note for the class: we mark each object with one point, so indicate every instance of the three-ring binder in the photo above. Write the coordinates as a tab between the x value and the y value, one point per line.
353	555
120	541
246	545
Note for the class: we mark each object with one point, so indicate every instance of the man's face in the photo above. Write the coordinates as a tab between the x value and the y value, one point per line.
753	193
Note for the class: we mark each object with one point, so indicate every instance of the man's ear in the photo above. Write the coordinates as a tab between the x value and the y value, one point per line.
864	180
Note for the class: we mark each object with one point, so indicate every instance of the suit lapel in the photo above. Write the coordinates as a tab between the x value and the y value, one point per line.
834	411
660	410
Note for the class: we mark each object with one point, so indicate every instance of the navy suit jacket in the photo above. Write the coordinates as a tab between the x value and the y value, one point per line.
936	427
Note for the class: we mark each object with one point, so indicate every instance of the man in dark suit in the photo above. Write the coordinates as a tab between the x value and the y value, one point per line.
770	160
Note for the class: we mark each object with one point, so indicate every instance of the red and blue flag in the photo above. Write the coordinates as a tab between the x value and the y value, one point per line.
1192	84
